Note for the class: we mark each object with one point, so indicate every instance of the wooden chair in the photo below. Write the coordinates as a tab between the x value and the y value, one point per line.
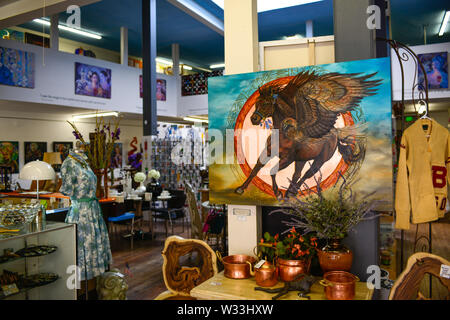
196	221
406	287
180	280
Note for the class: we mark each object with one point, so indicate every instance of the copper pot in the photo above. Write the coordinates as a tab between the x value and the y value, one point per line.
266	275
335	257
339	285
237	266
290	269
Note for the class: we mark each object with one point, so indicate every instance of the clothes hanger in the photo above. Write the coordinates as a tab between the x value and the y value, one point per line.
425	115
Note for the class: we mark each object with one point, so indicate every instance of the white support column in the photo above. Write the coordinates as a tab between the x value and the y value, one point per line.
241	36
309	29
124	46
176	59
54	32
241	55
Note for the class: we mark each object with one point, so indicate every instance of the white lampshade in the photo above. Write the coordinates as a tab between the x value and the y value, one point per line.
37	170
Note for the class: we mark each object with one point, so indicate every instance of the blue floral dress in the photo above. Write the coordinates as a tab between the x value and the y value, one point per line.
79	183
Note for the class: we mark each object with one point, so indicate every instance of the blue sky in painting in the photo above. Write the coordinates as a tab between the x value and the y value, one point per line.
223	91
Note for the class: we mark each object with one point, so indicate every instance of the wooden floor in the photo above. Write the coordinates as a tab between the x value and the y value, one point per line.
145	262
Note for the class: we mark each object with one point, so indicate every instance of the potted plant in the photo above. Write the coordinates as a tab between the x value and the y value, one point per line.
331	218
99	149
154	186
293	254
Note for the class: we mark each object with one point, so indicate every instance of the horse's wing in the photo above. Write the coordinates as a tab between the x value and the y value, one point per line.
340	92
318	100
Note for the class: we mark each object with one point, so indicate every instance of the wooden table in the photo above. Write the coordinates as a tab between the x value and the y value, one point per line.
221	288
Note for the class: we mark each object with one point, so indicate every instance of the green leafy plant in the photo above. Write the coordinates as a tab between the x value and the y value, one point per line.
293	247
330	217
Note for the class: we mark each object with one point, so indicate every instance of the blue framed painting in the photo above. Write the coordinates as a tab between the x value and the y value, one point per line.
330	123
17	68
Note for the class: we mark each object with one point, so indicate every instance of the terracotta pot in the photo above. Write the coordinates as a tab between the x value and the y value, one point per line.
339	285
290	269
335	257
237	266
266	275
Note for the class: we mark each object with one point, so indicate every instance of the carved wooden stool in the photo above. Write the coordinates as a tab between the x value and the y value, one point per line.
181	279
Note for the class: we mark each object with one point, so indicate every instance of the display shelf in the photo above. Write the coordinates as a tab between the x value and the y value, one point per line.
24	257
59	262
25	290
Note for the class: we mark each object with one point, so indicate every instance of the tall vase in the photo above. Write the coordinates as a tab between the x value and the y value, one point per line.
100	191
335	257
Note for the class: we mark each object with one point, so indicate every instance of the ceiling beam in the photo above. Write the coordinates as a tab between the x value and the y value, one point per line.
13	13
199	13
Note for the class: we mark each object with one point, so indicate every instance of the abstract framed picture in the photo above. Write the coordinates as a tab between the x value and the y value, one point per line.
281	134
17	68
9	154
92	81
34	151
117	156
436	68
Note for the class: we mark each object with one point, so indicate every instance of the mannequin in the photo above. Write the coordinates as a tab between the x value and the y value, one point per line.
79	183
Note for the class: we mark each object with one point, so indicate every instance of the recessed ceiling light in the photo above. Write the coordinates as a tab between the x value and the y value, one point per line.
295	36
267	5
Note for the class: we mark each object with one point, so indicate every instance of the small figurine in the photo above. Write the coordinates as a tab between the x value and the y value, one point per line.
301	283
112	286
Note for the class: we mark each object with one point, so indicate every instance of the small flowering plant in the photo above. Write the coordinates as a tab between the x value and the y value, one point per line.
293	247
139	177
297	247
99	155
154	174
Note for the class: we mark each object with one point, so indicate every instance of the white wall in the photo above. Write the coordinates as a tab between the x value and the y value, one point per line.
410	68
55	83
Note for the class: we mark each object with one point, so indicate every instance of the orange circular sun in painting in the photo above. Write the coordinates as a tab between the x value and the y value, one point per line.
250	141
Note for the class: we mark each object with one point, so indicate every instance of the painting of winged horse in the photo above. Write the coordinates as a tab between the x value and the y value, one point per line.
295	128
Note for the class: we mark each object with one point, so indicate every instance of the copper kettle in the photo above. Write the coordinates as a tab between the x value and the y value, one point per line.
266	275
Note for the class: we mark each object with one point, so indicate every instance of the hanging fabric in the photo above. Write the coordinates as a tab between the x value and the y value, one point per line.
424	163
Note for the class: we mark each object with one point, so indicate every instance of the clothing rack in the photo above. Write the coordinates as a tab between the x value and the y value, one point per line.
404	53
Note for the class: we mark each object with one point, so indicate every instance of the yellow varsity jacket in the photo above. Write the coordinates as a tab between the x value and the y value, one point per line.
424	163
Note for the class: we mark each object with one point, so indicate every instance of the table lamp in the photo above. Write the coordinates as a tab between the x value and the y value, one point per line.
52	158
37	170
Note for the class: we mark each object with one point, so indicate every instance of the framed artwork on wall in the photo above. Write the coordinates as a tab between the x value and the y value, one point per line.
34	151
331	123
9	154
117	156
92	81
161	89
16	68
63	148
436	68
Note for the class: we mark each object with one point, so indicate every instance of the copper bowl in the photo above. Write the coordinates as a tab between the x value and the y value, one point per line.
237	266
290	269
339	285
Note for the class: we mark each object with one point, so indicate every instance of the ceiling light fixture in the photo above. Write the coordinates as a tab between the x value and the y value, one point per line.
444	23
73	30
216	66
267	5
195	119
93	115
164	61
294	37
187	67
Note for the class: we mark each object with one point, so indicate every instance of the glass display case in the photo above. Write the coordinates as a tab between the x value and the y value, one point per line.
38	264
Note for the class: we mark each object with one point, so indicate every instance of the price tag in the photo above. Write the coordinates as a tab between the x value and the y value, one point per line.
10	289
260	263
445	271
